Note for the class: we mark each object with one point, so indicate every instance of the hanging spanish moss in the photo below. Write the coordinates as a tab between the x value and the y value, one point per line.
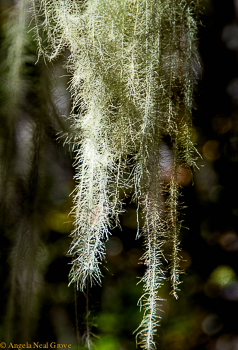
133	65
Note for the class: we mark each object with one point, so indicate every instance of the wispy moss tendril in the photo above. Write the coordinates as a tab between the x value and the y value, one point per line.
133	65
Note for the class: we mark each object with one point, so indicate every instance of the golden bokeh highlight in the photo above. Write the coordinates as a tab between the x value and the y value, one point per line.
221	124
211	150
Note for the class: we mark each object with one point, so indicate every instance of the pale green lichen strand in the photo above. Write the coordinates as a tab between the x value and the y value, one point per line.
133	66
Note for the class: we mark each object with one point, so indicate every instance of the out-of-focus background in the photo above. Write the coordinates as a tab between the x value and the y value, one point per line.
37	178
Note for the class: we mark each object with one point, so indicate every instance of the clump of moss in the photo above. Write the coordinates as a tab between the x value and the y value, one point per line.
133	65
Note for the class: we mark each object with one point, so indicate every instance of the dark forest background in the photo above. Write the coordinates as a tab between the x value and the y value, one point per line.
37	178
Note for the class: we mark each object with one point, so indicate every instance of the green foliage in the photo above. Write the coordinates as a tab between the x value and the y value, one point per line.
133	66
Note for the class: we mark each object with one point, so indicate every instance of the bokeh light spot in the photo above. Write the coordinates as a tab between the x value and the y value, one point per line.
221	124
211	150
211	324
223	275
114	246
229	241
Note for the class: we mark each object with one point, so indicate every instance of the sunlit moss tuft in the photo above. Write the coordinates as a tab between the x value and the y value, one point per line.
133	65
